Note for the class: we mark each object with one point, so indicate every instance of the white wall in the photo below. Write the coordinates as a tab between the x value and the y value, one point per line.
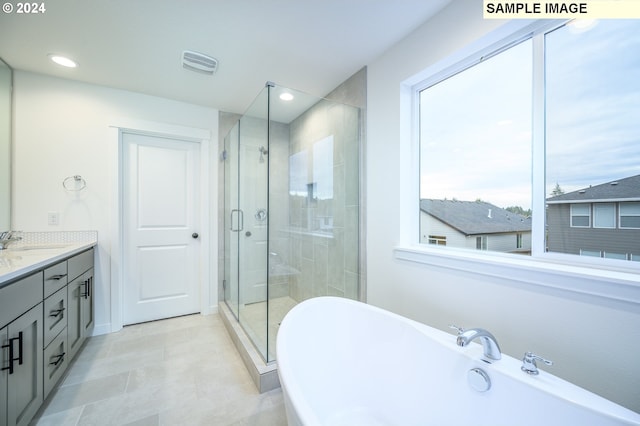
594	341
62	129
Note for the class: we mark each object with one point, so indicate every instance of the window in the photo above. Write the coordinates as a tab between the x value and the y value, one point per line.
630	215
439	240
604	215
580	215
480	120
481	243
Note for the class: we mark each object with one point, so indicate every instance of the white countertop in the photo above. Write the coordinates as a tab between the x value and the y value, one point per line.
22	260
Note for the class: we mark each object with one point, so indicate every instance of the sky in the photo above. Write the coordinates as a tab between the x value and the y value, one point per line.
476	125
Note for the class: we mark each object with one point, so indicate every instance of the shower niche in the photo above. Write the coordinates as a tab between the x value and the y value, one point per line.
291	209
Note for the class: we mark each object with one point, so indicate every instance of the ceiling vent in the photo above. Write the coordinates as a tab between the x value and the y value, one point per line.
199	62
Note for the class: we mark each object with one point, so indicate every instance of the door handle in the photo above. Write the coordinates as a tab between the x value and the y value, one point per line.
11	354
87	288
194	235
240	214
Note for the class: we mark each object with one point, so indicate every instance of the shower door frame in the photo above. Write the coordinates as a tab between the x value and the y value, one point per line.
238	213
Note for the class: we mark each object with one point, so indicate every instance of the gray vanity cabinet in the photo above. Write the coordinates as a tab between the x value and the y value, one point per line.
25	385
55	337
80	301
4	378
44	319
21	336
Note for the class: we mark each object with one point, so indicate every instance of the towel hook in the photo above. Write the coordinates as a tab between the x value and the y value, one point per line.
78	183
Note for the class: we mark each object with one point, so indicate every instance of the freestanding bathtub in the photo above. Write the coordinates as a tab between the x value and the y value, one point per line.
343	362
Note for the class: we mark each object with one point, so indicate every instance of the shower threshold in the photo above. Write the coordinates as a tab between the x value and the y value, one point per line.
264	375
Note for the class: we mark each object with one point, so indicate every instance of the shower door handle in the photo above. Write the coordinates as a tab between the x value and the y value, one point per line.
240	215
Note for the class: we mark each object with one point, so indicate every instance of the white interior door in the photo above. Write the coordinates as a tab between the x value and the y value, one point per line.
160	224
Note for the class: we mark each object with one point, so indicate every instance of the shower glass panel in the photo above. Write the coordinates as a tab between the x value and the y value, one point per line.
231	218
291	208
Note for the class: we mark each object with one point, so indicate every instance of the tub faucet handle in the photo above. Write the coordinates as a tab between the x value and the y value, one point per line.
460	330
529	365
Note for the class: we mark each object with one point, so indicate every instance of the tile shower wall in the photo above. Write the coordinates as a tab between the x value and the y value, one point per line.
303	264
324	233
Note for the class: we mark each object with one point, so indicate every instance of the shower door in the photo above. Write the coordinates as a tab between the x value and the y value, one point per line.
292	208
246	221
231	220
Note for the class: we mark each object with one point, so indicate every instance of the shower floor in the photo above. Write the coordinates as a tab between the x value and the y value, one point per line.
252	318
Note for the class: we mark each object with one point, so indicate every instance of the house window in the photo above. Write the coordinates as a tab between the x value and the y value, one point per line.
439	240
580	215
604	215
630	215
481	243
565	93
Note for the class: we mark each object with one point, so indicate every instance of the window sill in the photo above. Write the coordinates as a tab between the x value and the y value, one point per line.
608	286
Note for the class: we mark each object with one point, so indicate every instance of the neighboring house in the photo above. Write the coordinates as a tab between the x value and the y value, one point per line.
601	221
475	225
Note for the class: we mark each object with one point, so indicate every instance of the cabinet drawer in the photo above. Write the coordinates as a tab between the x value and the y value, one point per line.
55	362
80	263
55	277
55	315
20	296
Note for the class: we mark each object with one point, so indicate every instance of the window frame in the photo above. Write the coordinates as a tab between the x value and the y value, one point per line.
595	207
620	215
572	215
611	281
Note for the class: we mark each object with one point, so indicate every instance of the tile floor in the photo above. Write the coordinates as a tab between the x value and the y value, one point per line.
179	371
253	318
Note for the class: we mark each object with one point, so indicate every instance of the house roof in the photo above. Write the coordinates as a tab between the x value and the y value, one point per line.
627	189
475	217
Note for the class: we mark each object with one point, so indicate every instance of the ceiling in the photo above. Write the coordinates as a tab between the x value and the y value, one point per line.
136	45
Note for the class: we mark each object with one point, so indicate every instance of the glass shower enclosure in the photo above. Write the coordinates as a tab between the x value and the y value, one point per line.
291	208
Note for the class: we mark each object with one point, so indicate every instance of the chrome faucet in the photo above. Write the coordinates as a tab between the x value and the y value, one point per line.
489	343
6	238
529	365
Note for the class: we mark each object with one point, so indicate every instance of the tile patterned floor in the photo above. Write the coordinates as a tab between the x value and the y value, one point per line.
253	320
179	371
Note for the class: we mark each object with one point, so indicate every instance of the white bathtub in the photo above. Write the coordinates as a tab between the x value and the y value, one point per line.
342	362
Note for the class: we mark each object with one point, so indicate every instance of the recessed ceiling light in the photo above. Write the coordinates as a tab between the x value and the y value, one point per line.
286	96
582	25
61	60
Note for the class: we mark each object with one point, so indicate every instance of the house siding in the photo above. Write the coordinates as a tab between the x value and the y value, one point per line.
561	237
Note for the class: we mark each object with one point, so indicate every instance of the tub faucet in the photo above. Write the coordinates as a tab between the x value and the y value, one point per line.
489	343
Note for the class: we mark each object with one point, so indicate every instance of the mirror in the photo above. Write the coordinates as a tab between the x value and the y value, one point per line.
6	81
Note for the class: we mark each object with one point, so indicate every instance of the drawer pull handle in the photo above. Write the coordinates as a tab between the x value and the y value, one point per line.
59	359
56	277
56	312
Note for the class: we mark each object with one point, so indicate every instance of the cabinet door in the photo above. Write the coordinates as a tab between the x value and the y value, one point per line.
4	375
87	304
75	328
25	384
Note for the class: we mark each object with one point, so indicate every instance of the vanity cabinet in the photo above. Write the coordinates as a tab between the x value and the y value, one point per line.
55	337
22	345
44	319
81	301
